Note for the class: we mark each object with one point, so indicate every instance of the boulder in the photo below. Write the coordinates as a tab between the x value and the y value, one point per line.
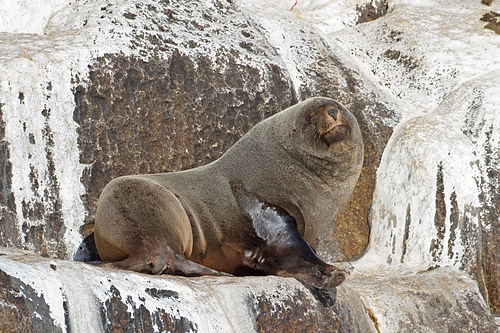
442	62
439	300
39	294
423	50
43	294
327	15
444	169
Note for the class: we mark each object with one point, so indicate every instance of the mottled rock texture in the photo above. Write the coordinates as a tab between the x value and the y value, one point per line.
451	214
154	87
436	201
423	50
40	294
22	308
402	302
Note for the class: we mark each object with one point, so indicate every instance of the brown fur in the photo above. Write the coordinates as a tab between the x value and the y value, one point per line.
304	160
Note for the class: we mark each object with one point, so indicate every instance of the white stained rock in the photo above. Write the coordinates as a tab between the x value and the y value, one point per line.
423	50
439	300
28	16
39	73
326	15
434	183
83	298
66	296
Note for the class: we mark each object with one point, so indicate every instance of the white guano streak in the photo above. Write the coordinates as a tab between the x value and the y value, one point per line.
407	176
44	281
27	89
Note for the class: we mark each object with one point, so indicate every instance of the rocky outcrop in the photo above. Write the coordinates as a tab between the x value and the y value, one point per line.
441	162
38	294
41	294
96	89
426	55
124	88
444	170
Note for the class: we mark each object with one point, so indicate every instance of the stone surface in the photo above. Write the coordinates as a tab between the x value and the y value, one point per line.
440	300
34	17
444	170
39	294
95	89
46	294
326	15
140	87
422	50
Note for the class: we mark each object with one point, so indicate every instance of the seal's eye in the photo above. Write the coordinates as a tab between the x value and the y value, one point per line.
308	118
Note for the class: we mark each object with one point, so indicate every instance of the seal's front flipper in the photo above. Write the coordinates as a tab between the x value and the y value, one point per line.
167	262
299	261
283	251
321	276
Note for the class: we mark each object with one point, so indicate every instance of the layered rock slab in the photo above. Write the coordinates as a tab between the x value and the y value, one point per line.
440	300
60	296
55	295
422	50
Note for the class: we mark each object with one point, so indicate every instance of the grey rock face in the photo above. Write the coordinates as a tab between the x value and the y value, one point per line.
141	88
451	214
107	88
436	200
410	302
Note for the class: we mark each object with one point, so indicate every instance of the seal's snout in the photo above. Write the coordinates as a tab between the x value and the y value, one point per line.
338	127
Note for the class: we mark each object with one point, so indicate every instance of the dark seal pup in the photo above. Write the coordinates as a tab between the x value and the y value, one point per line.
249	211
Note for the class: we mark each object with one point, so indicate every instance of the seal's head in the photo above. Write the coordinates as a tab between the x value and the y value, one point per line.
323	134
324	124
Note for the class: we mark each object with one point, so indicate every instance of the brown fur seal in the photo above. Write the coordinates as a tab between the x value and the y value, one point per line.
286	178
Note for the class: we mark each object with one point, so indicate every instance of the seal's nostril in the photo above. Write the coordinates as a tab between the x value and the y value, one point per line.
333	113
